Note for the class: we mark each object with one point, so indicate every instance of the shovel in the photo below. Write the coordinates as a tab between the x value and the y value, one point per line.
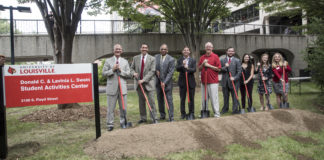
204	112
189	116
166	101
267	95
236	97
127	124
147	102
284	104
251	109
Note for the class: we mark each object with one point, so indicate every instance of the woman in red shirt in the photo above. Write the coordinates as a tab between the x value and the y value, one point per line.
279	78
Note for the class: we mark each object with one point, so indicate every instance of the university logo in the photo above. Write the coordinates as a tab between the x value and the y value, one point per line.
11	70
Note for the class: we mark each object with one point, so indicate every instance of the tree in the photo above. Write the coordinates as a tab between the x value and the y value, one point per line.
192	17
314	14
61	26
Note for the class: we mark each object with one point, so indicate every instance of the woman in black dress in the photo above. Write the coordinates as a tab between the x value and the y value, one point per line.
248	71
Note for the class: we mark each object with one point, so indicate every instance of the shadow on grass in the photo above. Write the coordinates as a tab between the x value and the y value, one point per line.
23	150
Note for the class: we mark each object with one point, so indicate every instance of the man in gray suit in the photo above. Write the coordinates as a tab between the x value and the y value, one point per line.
165	65
233	65
143	70
113	67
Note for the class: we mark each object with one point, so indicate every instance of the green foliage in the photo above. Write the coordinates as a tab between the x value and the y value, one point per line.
4	27
102	79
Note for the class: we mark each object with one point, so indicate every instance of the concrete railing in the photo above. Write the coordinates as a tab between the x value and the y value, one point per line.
37	26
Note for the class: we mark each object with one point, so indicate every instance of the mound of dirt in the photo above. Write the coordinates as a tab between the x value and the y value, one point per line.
157	140
58	115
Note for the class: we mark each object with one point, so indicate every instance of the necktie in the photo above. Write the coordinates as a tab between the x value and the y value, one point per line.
142	67
117	61
229	60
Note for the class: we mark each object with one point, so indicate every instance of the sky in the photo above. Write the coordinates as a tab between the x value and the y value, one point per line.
36	14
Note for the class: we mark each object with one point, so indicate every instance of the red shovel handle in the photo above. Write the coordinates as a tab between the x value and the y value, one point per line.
205	84
147	102
165	99
233	85
284	80
187	86
247	92
121	93
264	85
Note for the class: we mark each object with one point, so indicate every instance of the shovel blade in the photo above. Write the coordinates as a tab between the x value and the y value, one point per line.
270	107
129	124
205	113
252	109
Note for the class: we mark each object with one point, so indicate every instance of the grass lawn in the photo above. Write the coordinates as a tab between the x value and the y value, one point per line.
66	140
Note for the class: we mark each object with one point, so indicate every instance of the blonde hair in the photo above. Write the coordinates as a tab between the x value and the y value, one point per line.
264	54
274	63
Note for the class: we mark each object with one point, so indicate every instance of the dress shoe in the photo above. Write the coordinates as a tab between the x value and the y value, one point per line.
141	121
110	128
123	126
223	112
162	118
183	116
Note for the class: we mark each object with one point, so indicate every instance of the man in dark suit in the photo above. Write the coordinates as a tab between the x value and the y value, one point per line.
165	65
187	64
233	65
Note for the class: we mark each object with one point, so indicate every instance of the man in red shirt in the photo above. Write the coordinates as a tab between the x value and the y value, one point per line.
210	65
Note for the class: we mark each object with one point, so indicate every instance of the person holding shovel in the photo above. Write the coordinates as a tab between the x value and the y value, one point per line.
209	65
280	69
165	65
186	66
246	81
232	65
264	84
115	67
143	70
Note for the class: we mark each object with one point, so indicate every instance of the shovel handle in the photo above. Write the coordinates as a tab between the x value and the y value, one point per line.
165	98
187	86
284	82
147	102
121	93
233	85
247	92
205	84
264	85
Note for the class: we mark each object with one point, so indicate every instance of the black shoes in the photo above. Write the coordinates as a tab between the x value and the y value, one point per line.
110	128
183	116
223	112
141	121
162	118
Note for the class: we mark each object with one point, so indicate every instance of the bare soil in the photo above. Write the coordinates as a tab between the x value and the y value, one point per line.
157	140
59	115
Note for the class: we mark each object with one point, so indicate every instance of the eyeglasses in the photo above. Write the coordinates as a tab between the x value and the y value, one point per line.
163	49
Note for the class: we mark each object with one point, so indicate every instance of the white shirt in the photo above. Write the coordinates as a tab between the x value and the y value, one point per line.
187	60
117	59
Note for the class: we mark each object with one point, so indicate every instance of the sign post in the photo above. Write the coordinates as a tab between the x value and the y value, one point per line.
3	125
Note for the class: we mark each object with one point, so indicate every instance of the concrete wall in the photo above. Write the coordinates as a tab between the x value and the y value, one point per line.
88	48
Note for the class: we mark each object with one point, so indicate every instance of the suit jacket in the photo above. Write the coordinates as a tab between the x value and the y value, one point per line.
112	77
182	73
166	70
235	69
148	72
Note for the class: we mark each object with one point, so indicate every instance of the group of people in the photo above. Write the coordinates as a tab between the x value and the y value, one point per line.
154	75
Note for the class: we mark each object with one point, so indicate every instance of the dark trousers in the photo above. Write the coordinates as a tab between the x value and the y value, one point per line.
226	91
183	95
161	102
249	87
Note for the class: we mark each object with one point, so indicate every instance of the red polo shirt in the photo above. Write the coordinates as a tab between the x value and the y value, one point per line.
278	73
212	76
